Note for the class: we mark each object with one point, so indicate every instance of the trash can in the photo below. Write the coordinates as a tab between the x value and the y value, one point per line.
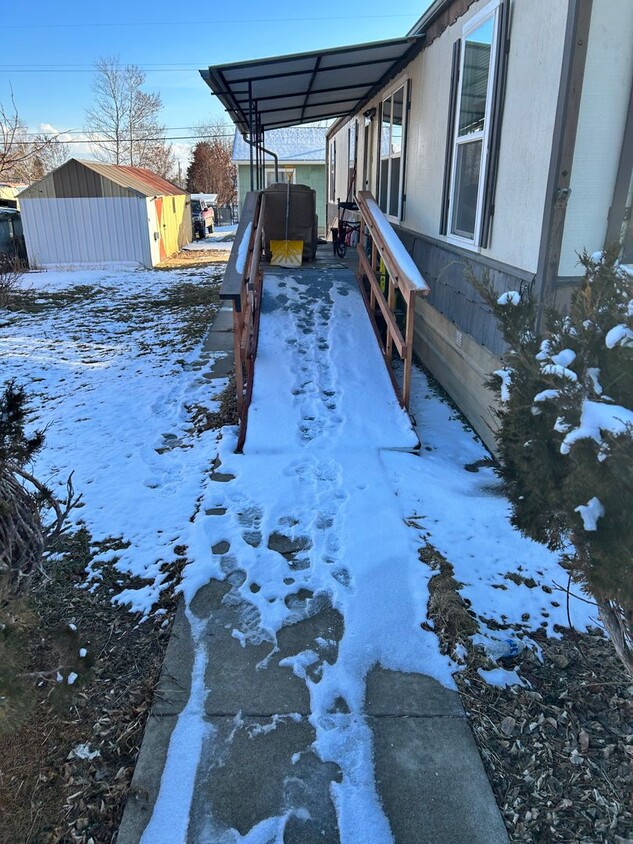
303	223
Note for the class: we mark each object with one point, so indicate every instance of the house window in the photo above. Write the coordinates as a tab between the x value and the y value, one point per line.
284	175
475	127
351	164
332	171
391	153
366	153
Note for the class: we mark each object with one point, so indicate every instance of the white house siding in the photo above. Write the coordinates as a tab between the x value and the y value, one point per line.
537	41
86	231
537	35
342	158
534	65
603	108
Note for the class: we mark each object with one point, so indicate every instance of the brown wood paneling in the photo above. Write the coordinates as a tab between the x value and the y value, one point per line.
444	269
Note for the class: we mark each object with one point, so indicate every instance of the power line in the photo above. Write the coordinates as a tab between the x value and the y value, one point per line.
229	134
89	141
44	69
215	22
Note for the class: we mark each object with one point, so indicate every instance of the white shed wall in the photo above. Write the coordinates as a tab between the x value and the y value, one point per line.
603	108
86	230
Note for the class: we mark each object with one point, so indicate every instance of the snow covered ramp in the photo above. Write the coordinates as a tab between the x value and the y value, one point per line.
301	700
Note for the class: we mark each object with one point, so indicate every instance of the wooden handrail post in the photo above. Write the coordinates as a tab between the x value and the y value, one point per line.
401	274
391	302
242	286
409	334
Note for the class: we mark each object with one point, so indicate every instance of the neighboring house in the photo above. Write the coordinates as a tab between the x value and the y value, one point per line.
86	212
301	151
9	192
495	134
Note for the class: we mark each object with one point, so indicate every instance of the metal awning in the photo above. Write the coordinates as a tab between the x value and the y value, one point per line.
305	87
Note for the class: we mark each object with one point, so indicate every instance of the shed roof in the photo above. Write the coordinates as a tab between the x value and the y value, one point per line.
84	178
305	87
139	179
297	143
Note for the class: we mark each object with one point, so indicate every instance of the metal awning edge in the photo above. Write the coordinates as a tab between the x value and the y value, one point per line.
217	82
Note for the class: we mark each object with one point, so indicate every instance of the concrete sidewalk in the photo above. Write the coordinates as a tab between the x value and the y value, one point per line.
239	703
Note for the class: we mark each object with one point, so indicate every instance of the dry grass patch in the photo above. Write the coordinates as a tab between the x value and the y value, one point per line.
194	258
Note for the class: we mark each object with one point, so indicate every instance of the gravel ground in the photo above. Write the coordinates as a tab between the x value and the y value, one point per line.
559	749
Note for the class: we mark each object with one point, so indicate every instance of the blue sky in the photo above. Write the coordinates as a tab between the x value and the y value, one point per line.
49	48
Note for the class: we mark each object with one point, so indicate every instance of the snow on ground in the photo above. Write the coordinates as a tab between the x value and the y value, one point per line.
222	238
328	467
464	514
109	374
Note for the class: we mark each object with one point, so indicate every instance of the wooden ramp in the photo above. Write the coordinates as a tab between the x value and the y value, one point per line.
388	281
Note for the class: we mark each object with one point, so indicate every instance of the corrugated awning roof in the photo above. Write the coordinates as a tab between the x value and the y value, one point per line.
306	87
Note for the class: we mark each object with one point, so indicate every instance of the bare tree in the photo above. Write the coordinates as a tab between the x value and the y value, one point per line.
50	153
123	124
160	159
17	148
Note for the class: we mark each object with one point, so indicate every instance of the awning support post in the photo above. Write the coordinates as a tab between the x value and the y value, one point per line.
250	130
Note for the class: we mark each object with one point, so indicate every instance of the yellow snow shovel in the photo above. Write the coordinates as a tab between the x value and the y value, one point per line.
286	253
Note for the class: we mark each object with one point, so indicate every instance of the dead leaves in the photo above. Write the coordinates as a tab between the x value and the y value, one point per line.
559	755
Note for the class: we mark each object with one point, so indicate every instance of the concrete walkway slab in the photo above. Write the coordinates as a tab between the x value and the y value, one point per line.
431	782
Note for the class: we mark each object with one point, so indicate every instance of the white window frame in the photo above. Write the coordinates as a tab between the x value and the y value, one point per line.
489	11
352	155
404	84
332	170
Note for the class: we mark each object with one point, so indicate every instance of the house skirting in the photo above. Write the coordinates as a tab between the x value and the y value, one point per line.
460	365
456	334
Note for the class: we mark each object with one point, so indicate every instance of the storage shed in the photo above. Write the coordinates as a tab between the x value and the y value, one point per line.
86	212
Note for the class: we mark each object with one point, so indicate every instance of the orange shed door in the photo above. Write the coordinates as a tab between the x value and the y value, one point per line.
159	218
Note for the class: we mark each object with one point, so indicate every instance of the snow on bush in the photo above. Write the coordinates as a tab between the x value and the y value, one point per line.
565	436
510	297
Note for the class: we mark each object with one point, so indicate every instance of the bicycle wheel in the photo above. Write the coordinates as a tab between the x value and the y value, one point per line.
341	248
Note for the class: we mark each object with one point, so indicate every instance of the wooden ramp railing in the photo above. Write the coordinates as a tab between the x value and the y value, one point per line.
242	285
389	270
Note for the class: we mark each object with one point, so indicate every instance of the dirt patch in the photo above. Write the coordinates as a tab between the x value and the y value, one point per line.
446	610
203	419
559	753
69	752
195	258
558	750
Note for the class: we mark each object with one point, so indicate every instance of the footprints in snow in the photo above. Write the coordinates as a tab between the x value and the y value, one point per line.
314	390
